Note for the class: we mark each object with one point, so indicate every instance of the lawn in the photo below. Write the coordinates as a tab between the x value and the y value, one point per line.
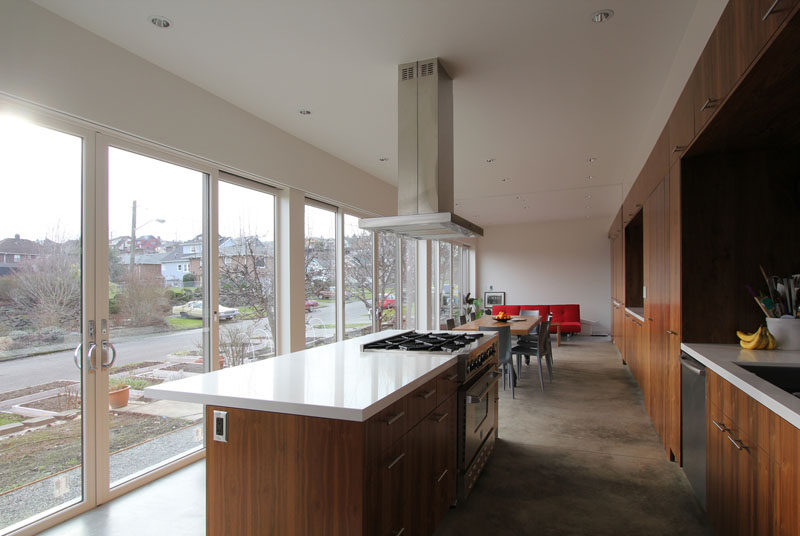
184	323
8	418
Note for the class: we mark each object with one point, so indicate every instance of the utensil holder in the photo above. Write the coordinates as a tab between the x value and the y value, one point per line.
786	332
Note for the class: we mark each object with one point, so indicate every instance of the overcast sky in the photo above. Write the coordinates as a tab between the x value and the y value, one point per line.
41	185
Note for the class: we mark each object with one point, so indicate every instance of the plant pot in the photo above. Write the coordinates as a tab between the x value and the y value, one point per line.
119	398
786	332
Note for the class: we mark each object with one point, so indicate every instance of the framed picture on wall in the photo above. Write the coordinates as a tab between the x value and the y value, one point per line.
494	298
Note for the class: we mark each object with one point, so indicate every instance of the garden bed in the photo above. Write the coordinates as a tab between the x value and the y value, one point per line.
134	366
35	389
50	450
195	368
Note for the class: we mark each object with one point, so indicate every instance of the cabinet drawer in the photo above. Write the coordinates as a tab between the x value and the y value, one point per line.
421	402
446	385
385	428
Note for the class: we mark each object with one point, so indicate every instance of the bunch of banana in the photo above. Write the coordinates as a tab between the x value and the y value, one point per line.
760	340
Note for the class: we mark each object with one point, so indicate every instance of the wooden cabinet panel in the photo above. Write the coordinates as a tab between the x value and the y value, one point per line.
421	402
680	126
388	486
716	69
755	22
385	428
446	385
443	421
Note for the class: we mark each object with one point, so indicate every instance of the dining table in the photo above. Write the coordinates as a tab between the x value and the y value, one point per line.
520	325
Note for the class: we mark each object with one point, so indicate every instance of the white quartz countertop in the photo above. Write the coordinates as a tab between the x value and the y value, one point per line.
723	359
335	381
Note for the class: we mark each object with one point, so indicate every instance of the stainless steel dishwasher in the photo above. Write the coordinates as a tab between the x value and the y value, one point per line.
693	424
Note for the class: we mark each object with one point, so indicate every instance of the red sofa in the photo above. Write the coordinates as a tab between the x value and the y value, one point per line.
569	316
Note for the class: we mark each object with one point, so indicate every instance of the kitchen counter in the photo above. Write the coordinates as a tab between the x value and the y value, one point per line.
722	359
335	381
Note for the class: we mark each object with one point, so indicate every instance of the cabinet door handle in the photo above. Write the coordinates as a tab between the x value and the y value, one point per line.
440	418
399	532
670	332
710	103
396	460
650	319
770	10
426	396
678	148
736	443
720	426
452	377
391	420
441	476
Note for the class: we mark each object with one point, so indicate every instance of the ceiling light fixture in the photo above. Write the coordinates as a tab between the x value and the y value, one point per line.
505	179
160	22
602	15
588	196
381	158
592	159
490	160
304	111
588	177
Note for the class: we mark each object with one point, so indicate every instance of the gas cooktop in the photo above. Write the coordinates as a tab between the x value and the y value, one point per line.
417	341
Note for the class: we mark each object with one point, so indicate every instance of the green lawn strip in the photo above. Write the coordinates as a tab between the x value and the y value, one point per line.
45	452
8	418
184	323
135	383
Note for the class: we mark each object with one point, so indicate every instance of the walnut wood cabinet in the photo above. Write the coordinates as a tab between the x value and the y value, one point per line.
292	474
752	482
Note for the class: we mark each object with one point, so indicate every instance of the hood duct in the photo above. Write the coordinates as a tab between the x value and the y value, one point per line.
425	158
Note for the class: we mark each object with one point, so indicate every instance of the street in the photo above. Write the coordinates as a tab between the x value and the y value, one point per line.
34	370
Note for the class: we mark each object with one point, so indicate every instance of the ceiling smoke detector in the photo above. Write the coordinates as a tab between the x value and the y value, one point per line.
160	22
602	15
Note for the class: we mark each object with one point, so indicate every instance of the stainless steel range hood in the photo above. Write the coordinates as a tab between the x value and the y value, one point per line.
425	158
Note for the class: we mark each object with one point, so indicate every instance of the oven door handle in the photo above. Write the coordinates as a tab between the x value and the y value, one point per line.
495	377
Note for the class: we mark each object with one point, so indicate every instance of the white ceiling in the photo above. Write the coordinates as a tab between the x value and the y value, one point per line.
537	86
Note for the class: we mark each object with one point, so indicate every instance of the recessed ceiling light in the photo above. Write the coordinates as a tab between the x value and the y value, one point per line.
587	206
304	111
490	160
588	177
160	22
602	15
383	158
505	179
588	196
592	159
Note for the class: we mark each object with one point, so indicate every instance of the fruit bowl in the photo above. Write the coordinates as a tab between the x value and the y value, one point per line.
503	319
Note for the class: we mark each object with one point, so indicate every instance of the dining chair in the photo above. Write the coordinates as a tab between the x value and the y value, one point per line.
540	349
462	320
451	323
504	354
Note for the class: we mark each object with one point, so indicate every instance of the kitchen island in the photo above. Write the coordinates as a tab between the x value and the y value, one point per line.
330	440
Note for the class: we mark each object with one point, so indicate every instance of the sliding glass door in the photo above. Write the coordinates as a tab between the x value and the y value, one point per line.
46	409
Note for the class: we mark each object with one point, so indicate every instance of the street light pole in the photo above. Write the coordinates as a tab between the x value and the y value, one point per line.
133	235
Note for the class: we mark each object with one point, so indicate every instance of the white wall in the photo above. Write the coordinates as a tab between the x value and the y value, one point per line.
54	63
549	263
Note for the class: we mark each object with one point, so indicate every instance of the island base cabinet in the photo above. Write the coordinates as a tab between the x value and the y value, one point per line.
285	475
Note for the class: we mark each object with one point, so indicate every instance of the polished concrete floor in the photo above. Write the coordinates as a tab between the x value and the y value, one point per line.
580	458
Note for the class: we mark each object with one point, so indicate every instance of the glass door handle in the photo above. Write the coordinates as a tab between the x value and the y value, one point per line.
106	346
76	356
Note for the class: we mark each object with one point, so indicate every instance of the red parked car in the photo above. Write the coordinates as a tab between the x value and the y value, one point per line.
310	304
388	302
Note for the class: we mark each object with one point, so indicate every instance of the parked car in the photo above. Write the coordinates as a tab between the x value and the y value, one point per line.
389	301
194	309
328	294
310	305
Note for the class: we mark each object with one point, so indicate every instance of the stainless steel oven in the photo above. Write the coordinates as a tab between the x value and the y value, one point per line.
478	408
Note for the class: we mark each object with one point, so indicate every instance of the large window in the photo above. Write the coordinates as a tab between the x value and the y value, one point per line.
455	285
320	264
246	273
357	279
386	286
445	273
408	277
